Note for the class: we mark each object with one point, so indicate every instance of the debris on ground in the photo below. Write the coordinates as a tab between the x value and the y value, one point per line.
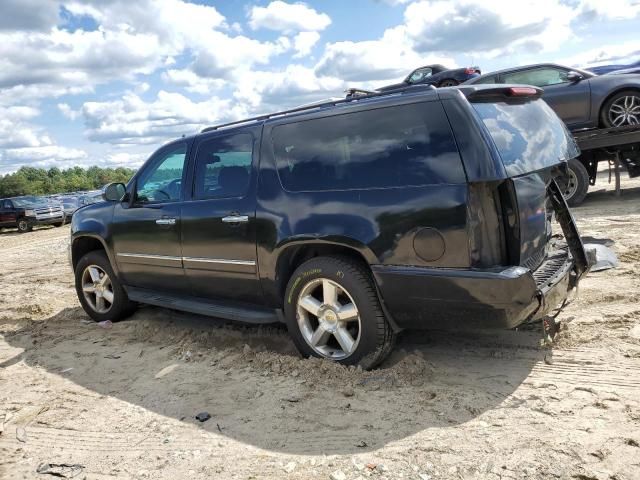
61	470
106	324
203	416
21	434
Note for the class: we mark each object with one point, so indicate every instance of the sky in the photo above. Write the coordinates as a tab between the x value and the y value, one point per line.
106	82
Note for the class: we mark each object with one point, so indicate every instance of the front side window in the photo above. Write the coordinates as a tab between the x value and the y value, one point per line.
407	145
539	77
420	75
161	181
223	166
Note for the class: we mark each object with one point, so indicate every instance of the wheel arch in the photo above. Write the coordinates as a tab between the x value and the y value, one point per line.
295	253
85	243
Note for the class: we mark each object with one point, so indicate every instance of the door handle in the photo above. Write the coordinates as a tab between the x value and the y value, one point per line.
236	219
166	221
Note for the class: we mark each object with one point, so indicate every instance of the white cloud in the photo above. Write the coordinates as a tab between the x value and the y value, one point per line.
288	17
620	53
67	111
12	159
131	120
303	42
28	15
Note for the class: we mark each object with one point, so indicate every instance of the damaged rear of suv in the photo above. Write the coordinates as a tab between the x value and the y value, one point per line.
349	221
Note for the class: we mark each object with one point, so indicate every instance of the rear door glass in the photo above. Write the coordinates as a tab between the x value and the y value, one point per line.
398	146
529	135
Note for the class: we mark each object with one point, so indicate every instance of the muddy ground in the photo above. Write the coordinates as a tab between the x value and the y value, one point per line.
120	402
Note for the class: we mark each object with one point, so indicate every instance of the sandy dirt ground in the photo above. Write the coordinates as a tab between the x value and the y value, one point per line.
120	402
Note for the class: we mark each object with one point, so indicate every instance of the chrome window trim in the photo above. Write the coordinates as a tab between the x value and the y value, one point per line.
150	256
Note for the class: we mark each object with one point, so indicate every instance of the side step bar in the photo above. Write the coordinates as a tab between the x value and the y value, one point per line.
203	306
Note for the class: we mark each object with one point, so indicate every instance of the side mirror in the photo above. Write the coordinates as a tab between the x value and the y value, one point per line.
574	76
113	192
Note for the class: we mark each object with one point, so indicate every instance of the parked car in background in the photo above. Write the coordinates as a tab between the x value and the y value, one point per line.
606	69
580	98
88	198
25	212
625	71
436	75
69	204
428	209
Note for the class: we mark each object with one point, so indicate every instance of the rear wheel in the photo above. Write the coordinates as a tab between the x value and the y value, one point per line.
575	184
621	109
99	290
449	82
24	225
332	311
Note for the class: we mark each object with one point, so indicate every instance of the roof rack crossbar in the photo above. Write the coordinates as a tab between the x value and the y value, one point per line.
331	103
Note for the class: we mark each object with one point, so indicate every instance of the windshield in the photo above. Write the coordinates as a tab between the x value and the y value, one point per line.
27	201
529	136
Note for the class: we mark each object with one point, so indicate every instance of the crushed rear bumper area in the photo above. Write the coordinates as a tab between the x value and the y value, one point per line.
461	299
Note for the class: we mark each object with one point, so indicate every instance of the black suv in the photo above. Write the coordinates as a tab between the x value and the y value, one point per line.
348	221
25	212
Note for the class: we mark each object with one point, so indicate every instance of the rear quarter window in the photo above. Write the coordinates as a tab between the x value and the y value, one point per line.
529	136
408	145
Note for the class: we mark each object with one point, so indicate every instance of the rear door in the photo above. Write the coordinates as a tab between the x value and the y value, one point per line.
146	231
532	143
219	218
570	100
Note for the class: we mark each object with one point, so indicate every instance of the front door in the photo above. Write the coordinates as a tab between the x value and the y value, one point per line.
146	230
570	100
218	221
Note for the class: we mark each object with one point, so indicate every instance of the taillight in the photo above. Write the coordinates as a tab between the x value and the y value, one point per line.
522	91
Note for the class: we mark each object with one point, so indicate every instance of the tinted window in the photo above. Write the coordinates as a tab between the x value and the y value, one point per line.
223	166
7	204
420	75
529	136
386	147
540	77
490	79
162	179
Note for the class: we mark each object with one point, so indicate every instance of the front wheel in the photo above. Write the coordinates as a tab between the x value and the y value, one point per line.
99	290
24	225
332	311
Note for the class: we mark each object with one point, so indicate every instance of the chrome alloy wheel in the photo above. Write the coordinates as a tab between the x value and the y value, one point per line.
625	111
569	185
328	319
97	289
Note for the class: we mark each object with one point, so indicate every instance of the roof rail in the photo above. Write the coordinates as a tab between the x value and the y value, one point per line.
331	103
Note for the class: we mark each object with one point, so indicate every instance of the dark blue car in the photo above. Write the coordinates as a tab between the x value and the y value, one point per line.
436	75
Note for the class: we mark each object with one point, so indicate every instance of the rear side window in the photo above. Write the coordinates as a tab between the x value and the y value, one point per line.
223	166
387	147
529	136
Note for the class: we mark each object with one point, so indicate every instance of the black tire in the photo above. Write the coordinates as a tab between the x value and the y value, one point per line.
376	336
605	118
575	186
61	224
24	225
121	307
449	82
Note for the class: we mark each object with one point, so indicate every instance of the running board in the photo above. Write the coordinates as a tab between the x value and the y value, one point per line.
202	306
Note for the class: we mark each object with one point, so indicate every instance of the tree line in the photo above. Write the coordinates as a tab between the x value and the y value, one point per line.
40	181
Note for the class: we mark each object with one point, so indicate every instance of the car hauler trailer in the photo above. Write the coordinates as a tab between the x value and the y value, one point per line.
619	146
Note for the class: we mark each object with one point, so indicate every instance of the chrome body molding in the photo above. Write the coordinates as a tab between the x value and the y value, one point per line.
171	261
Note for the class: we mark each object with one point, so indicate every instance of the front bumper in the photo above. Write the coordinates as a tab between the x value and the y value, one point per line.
47	219
439	298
